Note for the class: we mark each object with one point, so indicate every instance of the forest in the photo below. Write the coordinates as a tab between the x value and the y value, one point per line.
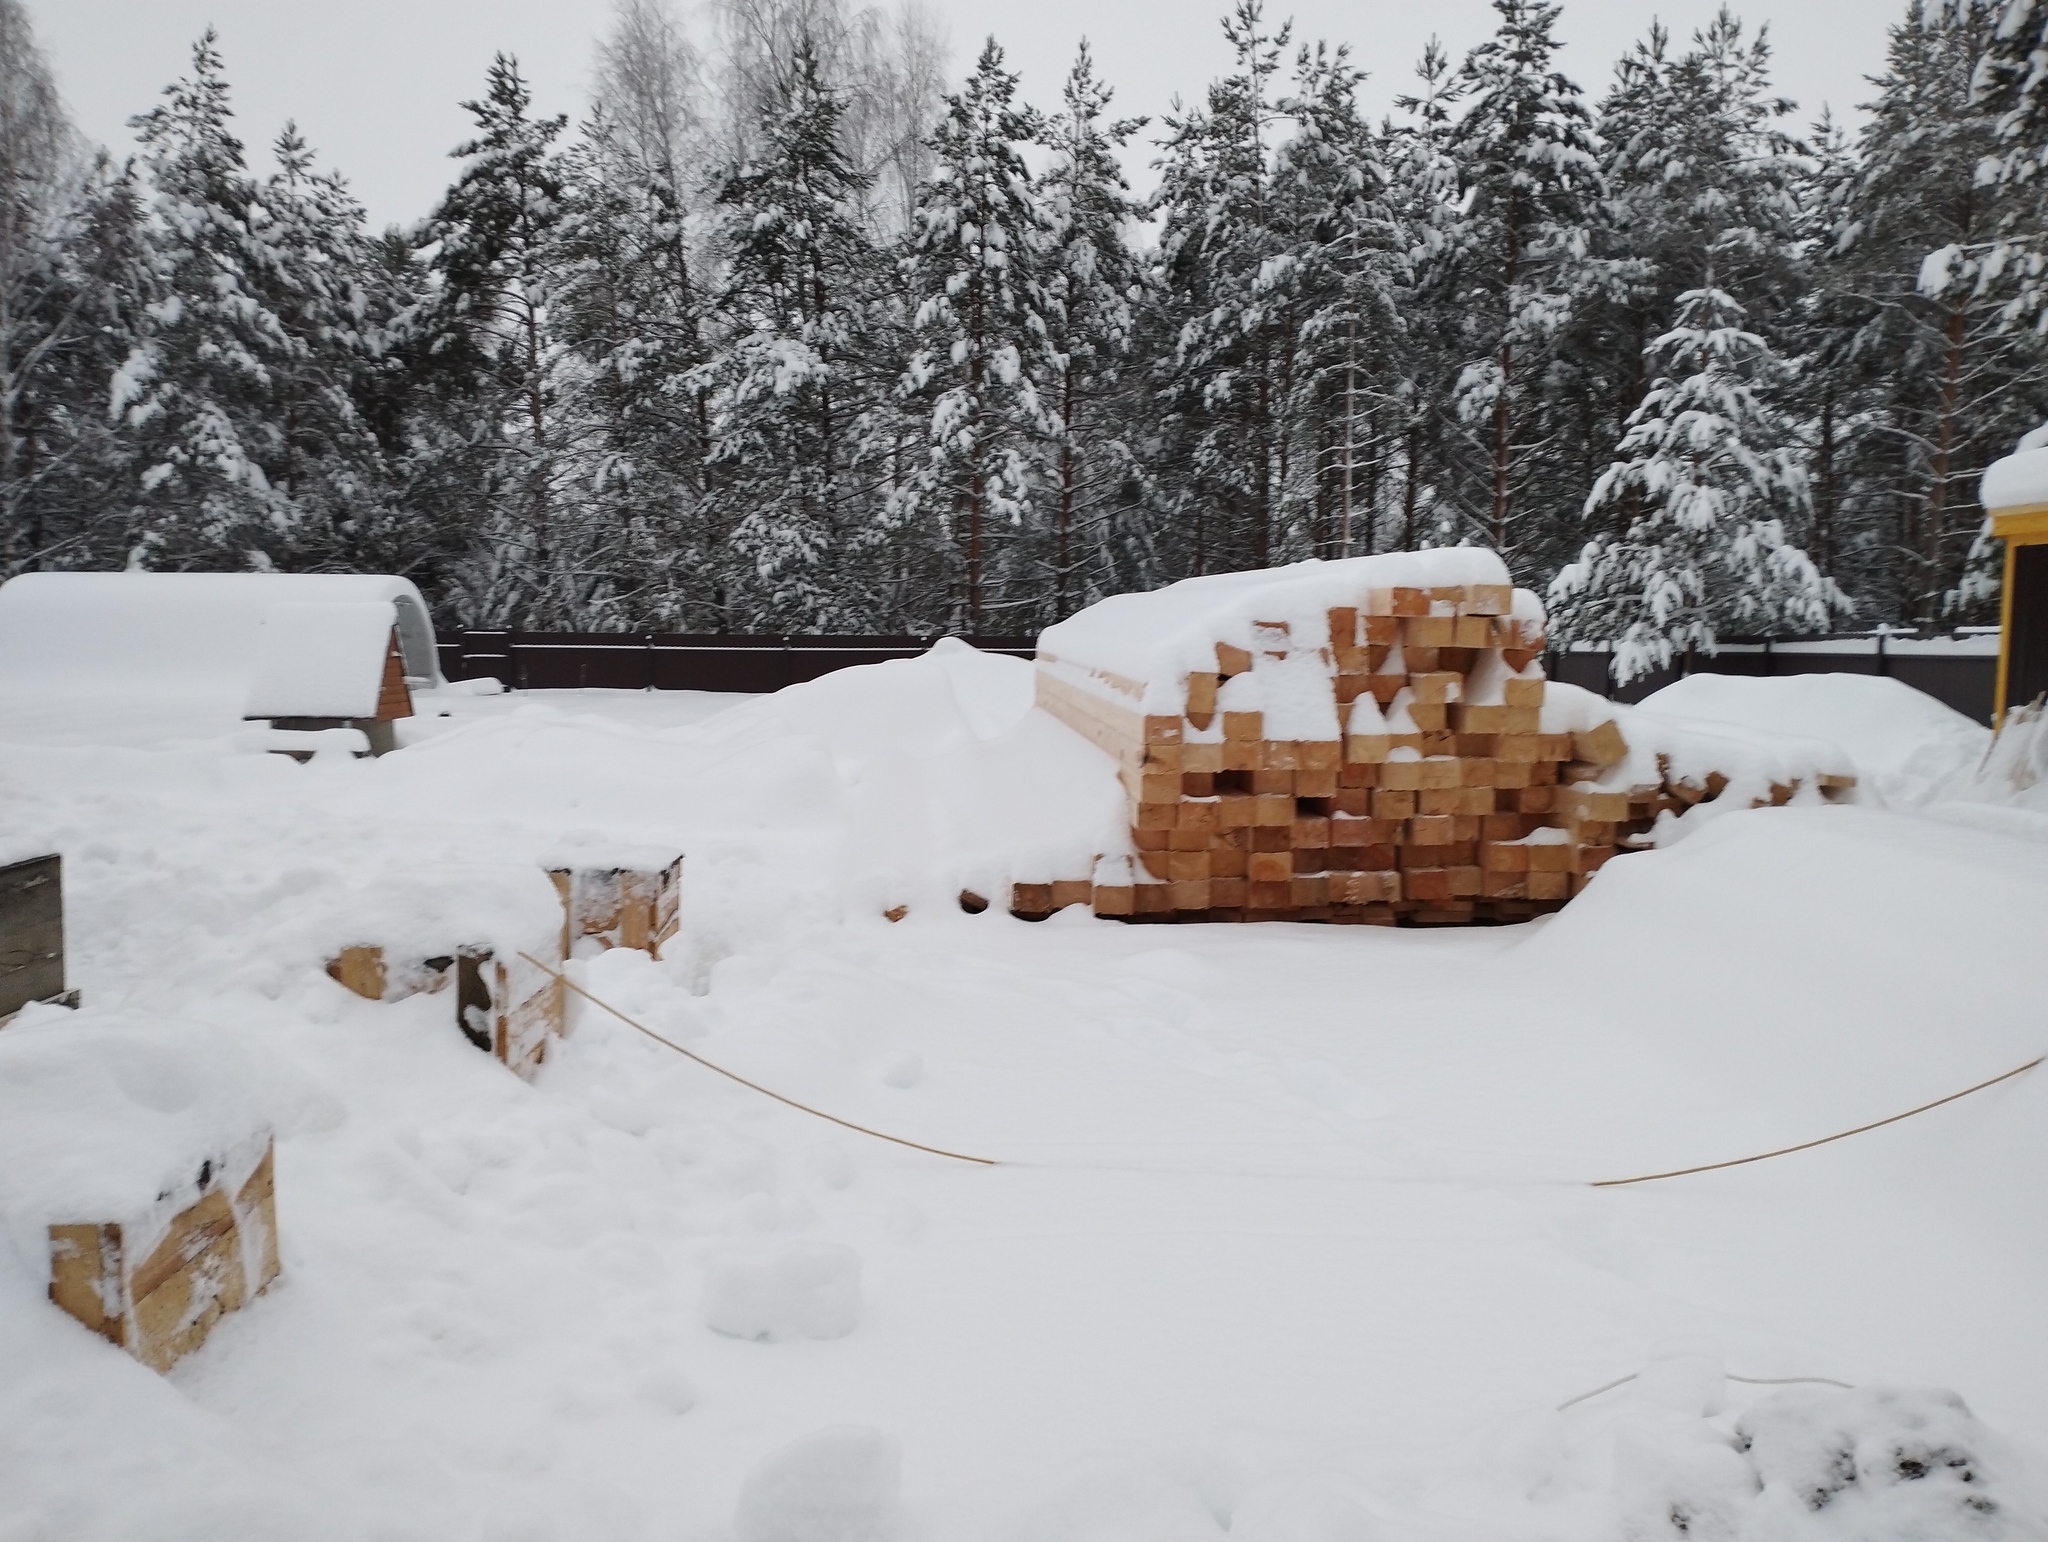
798	329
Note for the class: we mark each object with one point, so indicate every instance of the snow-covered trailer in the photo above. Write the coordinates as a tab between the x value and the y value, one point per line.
2015	492
149	657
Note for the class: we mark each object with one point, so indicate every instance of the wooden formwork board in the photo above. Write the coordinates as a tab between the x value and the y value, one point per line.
620	907
508	1008
31	933
158	1293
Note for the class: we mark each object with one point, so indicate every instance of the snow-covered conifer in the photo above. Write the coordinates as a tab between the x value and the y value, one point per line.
1515	259
975	278
1093	281
1698	501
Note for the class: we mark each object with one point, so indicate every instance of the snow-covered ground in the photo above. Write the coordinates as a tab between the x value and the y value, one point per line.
1290	1240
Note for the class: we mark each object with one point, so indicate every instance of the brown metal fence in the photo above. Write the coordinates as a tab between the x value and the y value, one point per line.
674	661
1944	667
1949	667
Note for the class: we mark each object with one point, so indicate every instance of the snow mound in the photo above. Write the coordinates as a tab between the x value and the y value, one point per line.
842	1484
1903	742
805	1290
1820	1464
108	1116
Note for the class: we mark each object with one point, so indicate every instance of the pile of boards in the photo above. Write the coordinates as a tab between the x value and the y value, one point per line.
1368	741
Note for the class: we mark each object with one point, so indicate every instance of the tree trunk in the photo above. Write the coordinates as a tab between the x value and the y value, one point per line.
1944	449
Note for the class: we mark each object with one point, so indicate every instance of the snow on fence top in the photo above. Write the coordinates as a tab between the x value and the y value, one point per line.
1146	644
324	659
2018	481
177	652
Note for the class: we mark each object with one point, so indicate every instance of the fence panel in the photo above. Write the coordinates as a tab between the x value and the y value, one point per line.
1960	672
673	661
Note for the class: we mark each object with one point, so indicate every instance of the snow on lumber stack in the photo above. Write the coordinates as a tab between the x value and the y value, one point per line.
1370	740
133	1151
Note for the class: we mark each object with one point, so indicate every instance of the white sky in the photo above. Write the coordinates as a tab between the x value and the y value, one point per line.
374	84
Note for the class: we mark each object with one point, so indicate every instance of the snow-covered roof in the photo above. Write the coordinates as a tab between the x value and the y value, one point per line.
180	649
323	659
2016	482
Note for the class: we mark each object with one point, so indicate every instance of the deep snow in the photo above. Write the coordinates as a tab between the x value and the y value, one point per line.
1290	1242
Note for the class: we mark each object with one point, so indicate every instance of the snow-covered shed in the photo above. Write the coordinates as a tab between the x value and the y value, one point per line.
2015	491
192	655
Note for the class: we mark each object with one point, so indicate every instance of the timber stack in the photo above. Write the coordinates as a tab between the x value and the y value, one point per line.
1369	740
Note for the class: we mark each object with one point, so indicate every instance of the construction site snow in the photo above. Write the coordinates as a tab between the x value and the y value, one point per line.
1291	1237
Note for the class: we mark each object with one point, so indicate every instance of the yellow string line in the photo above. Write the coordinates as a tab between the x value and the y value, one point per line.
767	1092
1876	1124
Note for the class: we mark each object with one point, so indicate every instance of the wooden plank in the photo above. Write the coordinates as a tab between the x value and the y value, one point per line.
394	696
31	932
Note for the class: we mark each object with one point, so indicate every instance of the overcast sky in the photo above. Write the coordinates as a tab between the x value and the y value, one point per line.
374	83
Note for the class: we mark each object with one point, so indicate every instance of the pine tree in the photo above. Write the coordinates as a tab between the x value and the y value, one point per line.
1233	331
980	320
67	259
791	386
1514	263
496	264
1093	279
1938	381
1424	191
1706	485
1349	265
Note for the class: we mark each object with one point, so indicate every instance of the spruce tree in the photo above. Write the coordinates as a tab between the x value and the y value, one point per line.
496	263
791	386
1093	282
1514	263
1704	488
1223	455
1936	376
975	276
194	394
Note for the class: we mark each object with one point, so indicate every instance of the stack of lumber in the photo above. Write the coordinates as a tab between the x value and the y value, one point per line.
1361	741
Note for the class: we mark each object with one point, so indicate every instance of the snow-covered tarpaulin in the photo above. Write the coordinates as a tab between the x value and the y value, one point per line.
152	657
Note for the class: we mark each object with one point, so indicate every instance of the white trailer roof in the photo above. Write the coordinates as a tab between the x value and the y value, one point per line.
157	656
